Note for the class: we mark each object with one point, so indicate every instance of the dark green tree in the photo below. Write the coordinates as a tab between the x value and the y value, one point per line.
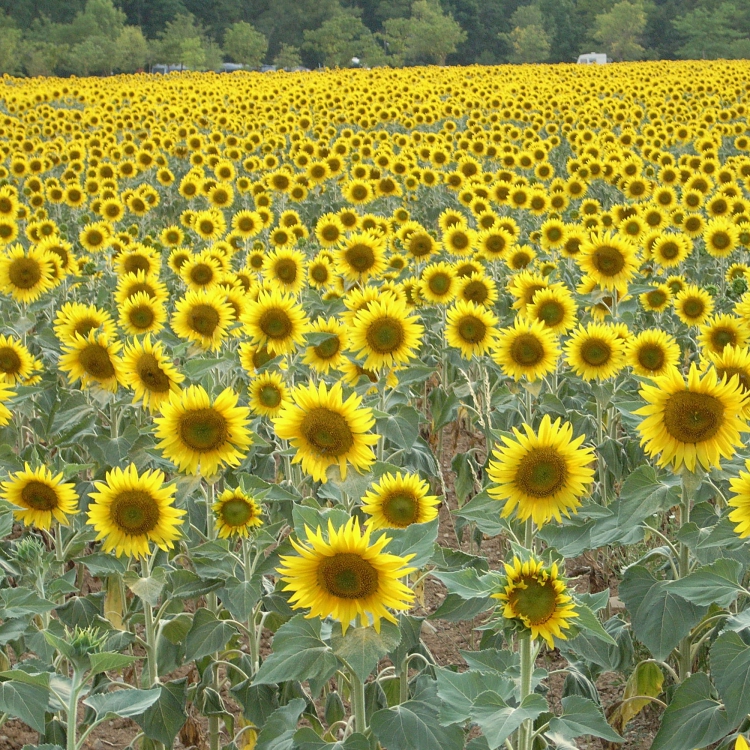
245	45
709	33
340	39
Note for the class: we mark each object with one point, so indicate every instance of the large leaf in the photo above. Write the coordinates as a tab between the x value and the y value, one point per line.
240	597
498	720
163	719
484	511
278	732
207	635
693	719
467	583
730	668
107	660
417	539
125	703
306	739
459	690
25	702
660	618
149	589
19	602
298	654
363	648
414	726
580	717
717	583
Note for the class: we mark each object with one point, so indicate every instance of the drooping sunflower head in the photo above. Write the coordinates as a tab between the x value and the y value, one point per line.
471	328
327	430
395	502
698	421
149	373
200	435
268	394
276	321
528	349
537	599
595	352
131	510
40	497
385	333
652	353
236	514
346	576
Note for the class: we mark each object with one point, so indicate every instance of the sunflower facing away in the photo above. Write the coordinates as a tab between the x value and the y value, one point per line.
541	474
326	430
236	513
698	421
40	497
130	511
395	502
200	436
346	577
537	597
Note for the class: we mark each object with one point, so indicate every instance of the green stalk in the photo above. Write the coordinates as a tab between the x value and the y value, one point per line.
75	688
527	668
602	469
358	702
213	721
690	483
150	628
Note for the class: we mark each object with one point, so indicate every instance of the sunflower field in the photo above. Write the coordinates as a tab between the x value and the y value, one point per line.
400	409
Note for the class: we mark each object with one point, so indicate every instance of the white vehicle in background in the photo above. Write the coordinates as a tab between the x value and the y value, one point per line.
593	58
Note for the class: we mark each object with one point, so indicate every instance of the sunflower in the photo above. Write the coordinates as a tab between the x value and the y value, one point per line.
524	287
236	514
284	269
328	353
595	352
136	257
419	243
537	597
733	362
40	496
608	259
25	275
358	192
320	272
470	328
720	331
268	393
200	436
527	349
129	511
652	353
362	256
721	237
203	317
209	225
93	359
147	370
669	250
438	283
254	358
97	237
201	271
140	314
656	299
385	333
693	305
325	430
276	321
698	421
458	240
57	247
555	308
493	244
347	576
329	230
395	502
16	362
74	318
477	288
132	283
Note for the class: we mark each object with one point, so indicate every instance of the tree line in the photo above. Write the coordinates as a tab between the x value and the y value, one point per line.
95	37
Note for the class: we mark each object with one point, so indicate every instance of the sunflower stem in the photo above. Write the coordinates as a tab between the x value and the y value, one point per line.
72	711
601	464
690	483
149	625
527	669
212	603
358	702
